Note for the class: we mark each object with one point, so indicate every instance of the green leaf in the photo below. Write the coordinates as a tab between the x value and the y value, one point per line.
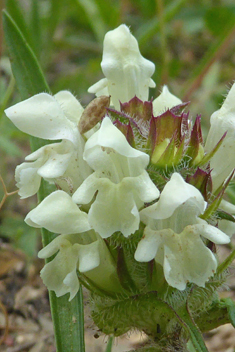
35	26
230	305
14	10
221	214
25	67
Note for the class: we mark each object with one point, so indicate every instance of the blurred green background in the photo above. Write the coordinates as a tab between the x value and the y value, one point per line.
191	42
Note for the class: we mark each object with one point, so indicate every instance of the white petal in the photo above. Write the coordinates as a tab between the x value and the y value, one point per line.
113	210
59	214
89	257
148	246
227	206
99	87
223	120
116	205
57	274
227	227
61	163
27	179
56	158
144	187
165	101
187	259
223	162
85	193
41	116
71	281
109	136
212	233
175	193
53	246
70	105
173	270
109	213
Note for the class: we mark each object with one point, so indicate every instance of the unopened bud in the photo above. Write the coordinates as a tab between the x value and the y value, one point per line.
93	113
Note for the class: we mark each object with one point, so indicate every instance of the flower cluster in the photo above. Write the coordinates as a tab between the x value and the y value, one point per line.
128	171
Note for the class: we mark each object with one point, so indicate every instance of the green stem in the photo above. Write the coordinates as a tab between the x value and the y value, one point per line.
109	344
68	324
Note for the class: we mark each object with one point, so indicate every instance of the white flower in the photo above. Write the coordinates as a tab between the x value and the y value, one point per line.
57	213
164	101
51	118
85	252
127	72
222	121
120	183
173	235
78	247
60	274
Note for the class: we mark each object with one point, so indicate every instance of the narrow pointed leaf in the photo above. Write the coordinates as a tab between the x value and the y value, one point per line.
35	26
14	10
25	67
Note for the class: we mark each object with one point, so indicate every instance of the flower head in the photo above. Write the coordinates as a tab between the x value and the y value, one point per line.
111	162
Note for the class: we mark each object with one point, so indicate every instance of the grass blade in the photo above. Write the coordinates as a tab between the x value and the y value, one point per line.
28	74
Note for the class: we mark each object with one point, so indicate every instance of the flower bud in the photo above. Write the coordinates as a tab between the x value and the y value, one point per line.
93	113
